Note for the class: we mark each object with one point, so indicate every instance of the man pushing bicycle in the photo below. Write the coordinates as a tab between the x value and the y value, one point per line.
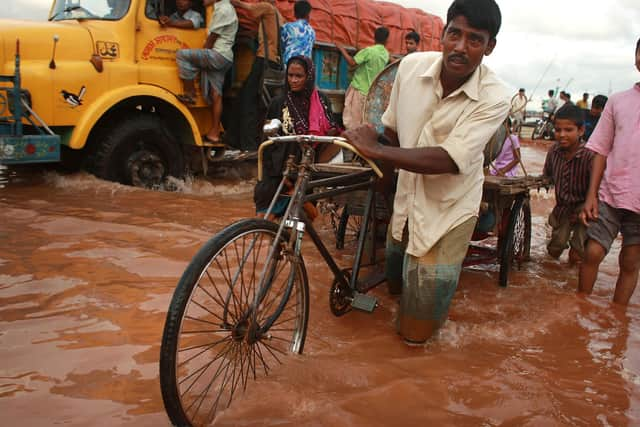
444	108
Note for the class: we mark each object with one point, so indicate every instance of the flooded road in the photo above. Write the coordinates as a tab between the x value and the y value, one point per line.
87	269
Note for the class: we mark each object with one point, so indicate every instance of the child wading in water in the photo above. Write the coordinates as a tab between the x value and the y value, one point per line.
568	164
613	201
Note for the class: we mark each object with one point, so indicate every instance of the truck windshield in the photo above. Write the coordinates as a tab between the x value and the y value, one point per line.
109	10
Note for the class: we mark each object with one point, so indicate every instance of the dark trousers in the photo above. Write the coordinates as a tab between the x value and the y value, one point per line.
248	112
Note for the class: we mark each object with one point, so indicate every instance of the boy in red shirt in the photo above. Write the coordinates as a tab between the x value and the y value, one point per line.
568	164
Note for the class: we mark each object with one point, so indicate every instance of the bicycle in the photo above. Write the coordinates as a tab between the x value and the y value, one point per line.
242	303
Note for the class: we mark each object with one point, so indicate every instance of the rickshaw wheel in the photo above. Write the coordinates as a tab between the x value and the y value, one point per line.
340	296
517	242
348	227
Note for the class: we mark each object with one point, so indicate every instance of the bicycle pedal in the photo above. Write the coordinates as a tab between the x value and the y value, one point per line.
364	302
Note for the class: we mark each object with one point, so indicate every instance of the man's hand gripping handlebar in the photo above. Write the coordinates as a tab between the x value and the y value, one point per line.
312	139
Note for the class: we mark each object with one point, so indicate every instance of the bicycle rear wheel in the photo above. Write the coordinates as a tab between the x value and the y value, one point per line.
517	246
215	339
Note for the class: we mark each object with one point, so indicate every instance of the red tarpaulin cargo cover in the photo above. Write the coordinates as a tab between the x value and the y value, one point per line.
353	22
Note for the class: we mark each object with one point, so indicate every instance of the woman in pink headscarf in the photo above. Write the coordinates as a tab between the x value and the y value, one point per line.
303	110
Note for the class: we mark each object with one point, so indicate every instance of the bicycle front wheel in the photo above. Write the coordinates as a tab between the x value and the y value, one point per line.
225	326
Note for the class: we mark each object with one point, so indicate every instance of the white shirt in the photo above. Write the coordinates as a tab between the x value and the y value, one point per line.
225	24
462	124
518	103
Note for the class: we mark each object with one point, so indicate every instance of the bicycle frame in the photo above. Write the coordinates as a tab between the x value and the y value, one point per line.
295	220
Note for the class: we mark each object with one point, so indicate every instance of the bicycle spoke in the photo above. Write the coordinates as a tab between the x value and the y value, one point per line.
240	275
281	321
258	353
209	346
207	310
201	372
221	303
270	347
210	295
232	286
214	407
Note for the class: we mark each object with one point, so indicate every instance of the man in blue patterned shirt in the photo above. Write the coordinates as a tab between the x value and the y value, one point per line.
298	37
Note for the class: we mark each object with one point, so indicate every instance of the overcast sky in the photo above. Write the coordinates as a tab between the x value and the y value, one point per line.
584	45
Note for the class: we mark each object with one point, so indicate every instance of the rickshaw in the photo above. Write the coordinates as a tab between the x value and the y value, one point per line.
242	304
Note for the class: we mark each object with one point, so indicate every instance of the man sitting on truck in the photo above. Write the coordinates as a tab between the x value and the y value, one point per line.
369	62
212	63
183	17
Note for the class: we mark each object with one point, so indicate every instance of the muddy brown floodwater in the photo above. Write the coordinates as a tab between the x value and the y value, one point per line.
87	269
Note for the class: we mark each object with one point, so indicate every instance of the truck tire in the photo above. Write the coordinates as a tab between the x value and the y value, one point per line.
138	151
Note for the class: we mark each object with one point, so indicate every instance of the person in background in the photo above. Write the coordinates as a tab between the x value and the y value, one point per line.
183	17
367	63
298	37
411	42
518	108
567	98
568	164
613	201
212	62
562	100
584	102
592	117
550	104
303	110
443	109
506	163
248	113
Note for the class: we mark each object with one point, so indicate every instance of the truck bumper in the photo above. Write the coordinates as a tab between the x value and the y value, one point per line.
29	149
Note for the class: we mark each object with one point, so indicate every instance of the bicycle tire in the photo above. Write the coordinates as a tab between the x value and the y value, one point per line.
192	362
517	244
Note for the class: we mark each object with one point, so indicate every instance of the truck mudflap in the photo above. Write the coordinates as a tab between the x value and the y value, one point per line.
29	149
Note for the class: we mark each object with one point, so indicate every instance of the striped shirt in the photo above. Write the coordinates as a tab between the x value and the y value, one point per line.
570	178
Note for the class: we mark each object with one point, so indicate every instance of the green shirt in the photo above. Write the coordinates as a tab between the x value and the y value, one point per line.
371	61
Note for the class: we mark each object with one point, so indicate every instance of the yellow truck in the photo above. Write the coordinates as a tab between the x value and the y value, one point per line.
101	75
97	83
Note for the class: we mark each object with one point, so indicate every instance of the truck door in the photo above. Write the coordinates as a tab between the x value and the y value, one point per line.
156	45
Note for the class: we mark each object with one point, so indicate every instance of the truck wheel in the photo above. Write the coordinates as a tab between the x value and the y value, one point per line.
138	151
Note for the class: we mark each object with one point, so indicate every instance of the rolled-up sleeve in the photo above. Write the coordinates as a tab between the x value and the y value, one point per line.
601	139
465	144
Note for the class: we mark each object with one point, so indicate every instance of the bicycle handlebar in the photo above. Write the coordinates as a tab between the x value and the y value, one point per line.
342	142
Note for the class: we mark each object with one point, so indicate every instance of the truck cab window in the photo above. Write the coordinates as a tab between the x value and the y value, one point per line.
155	9
108	10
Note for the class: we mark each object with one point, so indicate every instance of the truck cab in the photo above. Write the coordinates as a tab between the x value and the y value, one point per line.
102	75
100	80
